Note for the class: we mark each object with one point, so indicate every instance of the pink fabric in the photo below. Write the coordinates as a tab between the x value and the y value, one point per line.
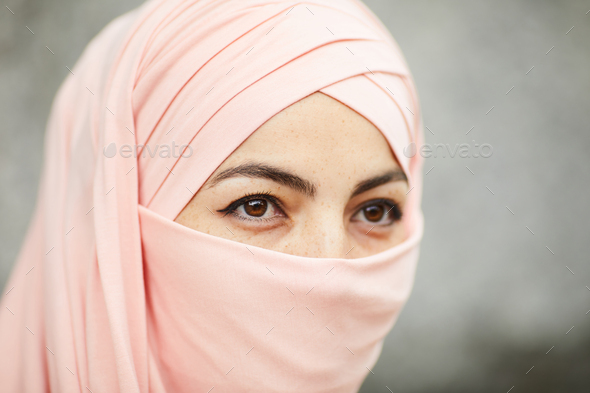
109	294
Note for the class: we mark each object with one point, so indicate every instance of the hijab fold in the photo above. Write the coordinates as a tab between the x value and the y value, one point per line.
109	294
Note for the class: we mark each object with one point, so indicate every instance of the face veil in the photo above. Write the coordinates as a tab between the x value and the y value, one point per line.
122	298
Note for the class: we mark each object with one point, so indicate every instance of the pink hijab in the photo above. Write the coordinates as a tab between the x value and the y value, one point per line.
109	294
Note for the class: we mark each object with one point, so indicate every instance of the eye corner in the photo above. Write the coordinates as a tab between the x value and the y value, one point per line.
388	208
271	202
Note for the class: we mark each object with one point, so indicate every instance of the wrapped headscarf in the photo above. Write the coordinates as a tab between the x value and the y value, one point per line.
109	294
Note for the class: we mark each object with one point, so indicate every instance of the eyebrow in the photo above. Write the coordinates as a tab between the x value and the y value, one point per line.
306	187
366	185
264	171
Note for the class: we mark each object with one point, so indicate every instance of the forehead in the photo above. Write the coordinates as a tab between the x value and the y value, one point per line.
317	135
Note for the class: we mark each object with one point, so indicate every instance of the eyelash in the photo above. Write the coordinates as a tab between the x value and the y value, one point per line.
267	196
232	207
392	208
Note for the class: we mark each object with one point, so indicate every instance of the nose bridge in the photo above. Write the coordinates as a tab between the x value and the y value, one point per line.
324	235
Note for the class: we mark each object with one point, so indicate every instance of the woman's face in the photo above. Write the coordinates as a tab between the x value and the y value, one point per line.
316	180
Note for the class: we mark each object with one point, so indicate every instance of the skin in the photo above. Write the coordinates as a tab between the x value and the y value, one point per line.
332	149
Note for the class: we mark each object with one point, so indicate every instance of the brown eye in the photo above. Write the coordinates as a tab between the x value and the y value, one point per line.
378	212
374	213
256	207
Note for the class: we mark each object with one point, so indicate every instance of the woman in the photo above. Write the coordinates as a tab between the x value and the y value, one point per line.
224	205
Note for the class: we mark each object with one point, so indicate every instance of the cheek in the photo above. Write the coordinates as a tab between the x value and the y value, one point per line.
378	239
196	216
199	214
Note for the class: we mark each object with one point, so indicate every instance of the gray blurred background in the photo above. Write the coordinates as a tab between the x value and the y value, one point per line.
490	299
